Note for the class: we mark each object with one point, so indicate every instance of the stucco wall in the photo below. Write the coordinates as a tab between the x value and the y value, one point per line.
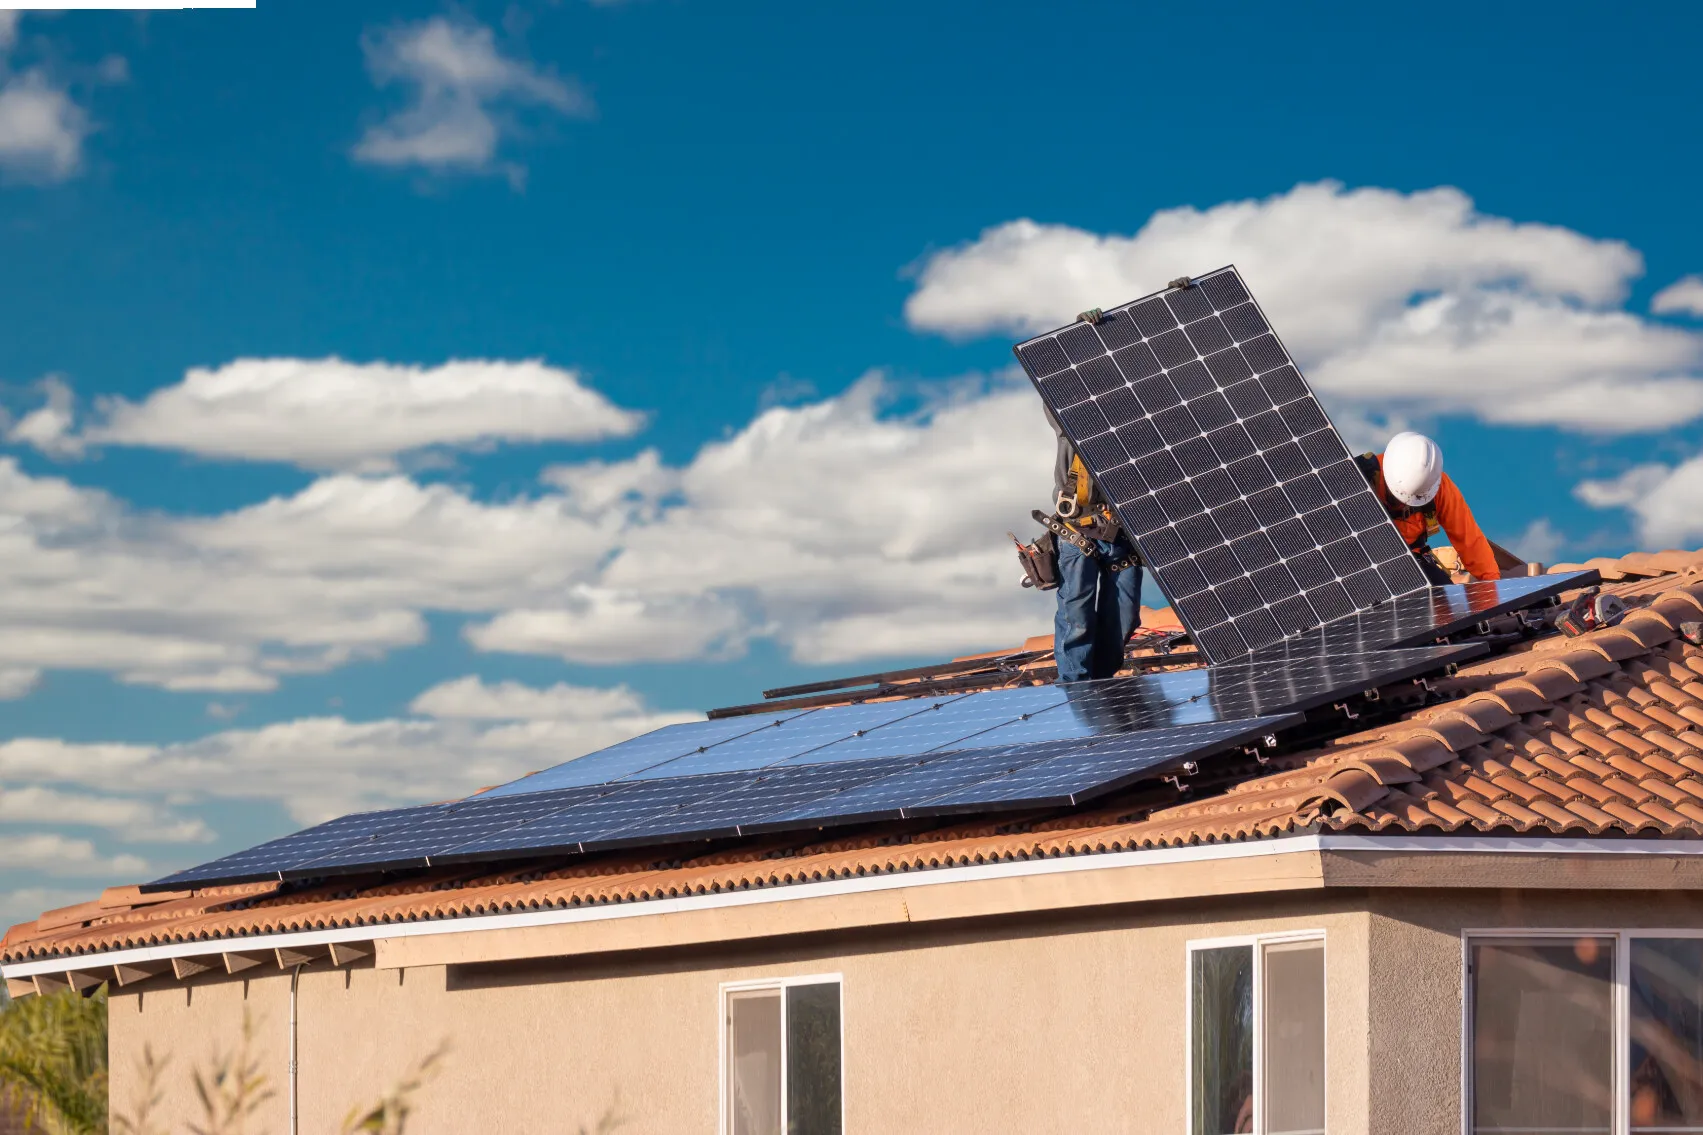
1023	1025
1034	1024
1414	1002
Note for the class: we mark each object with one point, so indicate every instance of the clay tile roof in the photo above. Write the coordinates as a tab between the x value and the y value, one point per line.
1595	735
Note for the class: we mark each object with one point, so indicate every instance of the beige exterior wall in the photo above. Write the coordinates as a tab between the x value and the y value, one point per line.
1035	1023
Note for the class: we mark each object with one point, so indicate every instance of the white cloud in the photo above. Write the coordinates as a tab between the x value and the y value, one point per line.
18	681
52	854
332	414
1683	297
1540	543
339	571
320	767
41	130
1666	501
49	427
470	698
8	28
463	92
138	821
26	904
1399	303
835	529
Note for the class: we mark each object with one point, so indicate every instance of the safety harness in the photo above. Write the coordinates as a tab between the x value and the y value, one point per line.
1369	466
1076	525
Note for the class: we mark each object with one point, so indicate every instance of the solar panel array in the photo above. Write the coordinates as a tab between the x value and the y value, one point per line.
1281	562
1199	429
1022	747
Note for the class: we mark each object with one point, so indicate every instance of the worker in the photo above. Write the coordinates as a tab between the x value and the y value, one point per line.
1408	477
1099	574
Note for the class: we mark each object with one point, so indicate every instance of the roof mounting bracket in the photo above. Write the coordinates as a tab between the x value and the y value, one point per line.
1347	710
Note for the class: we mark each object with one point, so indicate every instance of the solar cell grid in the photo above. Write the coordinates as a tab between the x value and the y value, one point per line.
644	751
270	859
1206	434
1099	767
795	738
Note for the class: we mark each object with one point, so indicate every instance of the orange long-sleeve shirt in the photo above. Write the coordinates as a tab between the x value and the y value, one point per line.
1465	536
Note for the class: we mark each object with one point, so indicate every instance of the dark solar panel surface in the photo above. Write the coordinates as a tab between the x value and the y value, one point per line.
1198	427
801	738
1076	741
1411	620
1100	766
644	751
414	843
270	859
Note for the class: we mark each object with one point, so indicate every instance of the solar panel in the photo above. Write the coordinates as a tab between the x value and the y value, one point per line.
643	752
1099	767
798	738
270	859
727	814
413	844
924	778
1439	611
954	724
1222	466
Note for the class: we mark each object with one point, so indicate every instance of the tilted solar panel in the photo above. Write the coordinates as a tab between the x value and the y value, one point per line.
1198	427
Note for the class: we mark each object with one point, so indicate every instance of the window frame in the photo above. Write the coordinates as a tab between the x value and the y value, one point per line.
780	984
1257	942
1620	1118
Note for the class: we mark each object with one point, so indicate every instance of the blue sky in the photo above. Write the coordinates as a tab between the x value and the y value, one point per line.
405	396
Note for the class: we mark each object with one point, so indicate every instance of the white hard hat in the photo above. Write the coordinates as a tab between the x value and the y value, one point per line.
1413	468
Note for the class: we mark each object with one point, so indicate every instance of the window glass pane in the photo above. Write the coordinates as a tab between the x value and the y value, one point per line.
1542	1035
1222	987
813	1059
754	1062
1294	1042
1667	1034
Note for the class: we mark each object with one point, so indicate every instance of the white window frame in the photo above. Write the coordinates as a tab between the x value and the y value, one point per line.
782	984
1620	1119
1257	941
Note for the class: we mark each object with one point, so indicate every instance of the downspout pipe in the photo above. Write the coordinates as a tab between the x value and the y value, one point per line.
295	978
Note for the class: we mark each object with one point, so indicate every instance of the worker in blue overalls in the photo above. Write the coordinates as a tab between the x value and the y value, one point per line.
1099	574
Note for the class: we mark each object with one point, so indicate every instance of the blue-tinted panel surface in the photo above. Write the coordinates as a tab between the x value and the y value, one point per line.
921	779
269	860
777	790
642	752
1101	766
1415	619
444	826
630	804
955	724
795	738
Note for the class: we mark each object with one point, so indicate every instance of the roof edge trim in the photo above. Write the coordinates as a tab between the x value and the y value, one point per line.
1288	845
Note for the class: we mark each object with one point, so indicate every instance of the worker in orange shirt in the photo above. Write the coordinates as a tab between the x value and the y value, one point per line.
1408	477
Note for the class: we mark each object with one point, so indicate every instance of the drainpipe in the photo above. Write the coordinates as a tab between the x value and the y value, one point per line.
295	976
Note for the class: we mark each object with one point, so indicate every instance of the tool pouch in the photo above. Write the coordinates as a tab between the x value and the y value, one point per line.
1040	562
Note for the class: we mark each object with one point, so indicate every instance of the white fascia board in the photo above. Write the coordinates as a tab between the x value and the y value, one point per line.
944	876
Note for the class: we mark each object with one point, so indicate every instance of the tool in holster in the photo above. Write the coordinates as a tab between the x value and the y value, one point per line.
1039	560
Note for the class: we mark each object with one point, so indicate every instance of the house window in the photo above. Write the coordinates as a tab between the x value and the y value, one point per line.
1595	1033
1257	1036
781	1058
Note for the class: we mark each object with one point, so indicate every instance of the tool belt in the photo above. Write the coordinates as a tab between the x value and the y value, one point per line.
1084	540
1039	560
